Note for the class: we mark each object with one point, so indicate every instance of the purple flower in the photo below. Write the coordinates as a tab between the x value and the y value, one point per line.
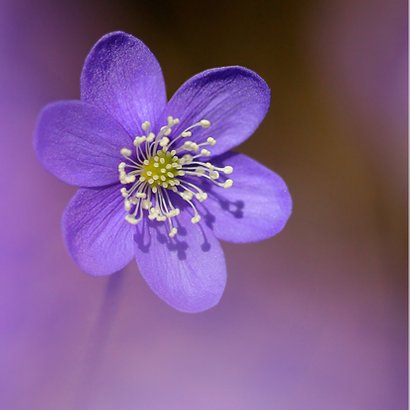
158	180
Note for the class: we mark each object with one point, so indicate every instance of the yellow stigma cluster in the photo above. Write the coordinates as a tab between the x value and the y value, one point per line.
162	170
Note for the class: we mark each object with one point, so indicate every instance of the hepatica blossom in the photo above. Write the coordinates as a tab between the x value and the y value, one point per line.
158	180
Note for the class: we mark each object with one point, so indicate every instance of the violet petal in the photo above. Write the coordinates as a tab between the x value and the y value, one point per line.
256	207
79	143
123	77
188	272
234	99
97	236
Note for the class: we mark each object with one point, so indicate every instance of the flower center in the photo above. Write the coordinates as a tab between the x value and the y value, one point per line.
161	170
161	167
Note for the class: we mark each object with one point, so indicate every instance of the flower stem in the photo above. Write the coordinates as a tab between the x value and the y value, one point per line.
99	335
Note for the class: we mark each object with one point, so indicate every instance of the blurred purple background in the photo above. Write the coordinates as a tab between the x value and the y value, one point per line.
315	318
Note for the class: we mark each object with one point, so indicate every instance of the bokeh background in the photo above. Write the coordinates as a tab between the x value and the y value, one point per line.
315	318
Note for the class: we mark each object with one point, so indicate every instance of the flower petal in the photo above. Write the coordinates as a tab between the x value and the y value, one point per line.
79	143
123	77
95	231
188	272
256	207
234	99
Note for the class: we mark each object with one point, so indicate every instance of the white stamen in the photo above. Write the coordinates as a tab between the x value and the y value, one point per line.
228	183
164	141
205	152
201	196
125	152
155	172
205	123
173	232
187	195
195	219
139	141
211	141
146	125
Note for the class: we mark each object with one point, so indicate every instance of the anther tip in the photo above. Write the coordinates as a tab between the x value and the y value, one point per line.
195	219
146	125
205	123
125	152
173	232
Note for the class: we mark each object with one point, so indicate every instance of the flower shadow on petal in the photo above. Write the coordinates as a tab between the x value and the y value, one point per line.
234	208
256	207
187	271
153	234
